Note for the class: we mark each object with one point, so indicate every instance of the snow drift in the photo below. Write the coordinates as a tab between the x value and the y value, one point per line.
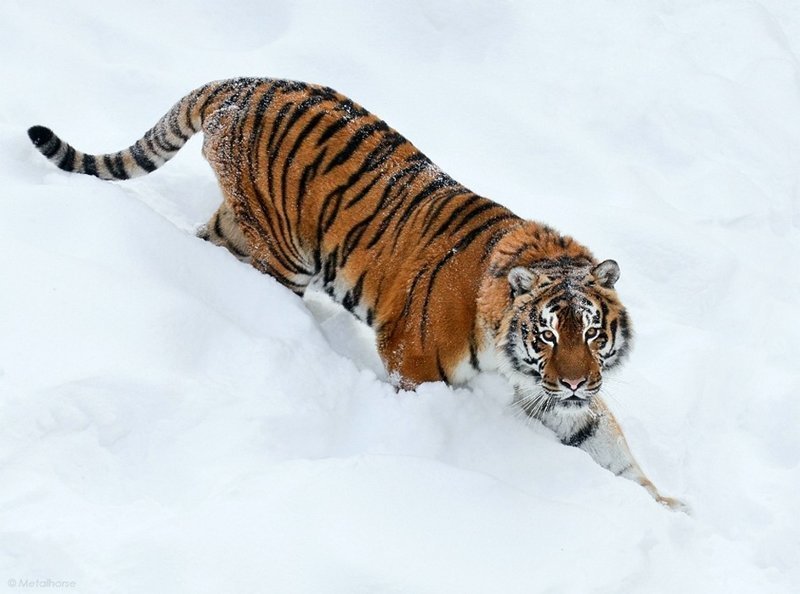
173	421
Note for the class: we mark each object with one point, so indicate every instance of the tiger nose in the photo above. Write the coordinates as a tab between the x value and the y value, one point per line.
572	384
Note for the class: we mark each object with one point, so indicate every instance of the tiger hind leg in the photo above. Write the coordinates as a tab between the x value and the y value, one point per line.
223	230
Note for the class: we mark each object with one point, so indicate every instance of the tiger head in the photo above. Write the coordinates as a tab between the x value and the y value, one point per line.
563	328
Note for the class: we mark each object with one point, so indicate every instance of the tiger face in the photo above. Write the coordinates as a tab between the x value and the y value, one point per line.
564	327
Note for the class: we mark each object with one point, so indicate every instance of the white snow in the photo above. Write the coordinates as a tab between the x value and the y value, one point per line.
173	421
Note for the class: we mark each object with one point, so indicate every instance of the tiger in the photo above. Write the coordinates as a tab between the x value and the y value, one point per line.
320	193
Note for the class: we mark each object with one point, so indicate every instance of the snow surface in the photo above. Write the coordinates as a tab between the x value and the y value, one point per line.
173	421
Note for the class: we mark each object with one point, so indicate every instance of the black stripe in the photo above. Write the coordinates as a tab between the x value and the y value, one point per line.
330	207
298	113
68	160
141	159
411	291
270	270
604	308
364	191
441	203
119	162
473	353
258	117
301	136
329	269
276	124
389	144
164	145
89	165
218	227
174	126
353	297
440	369
624	325
109	163
373	161
333	129
482	206
488	248
309	173
469	216
350	113
587	431
352	239
412	172
114	165
437	184
355	141
149	147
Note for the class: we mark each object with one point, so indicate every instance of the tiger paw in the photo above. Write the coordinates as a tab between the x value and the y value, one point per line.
674	504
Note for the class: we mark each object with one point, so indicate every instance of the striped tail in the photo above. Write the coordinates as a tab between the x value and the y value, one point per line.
156	147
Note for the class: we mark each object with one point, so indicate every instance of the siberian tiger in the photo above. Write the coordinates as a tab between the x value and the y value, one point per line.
319	192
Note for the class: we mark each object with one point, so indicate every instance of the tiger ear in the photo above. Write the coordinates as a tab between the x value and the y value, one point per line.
606	273
521	280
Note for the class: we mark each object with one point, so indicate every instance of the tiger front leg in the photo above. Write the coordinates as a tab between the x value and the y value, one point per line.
406	361
597	433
